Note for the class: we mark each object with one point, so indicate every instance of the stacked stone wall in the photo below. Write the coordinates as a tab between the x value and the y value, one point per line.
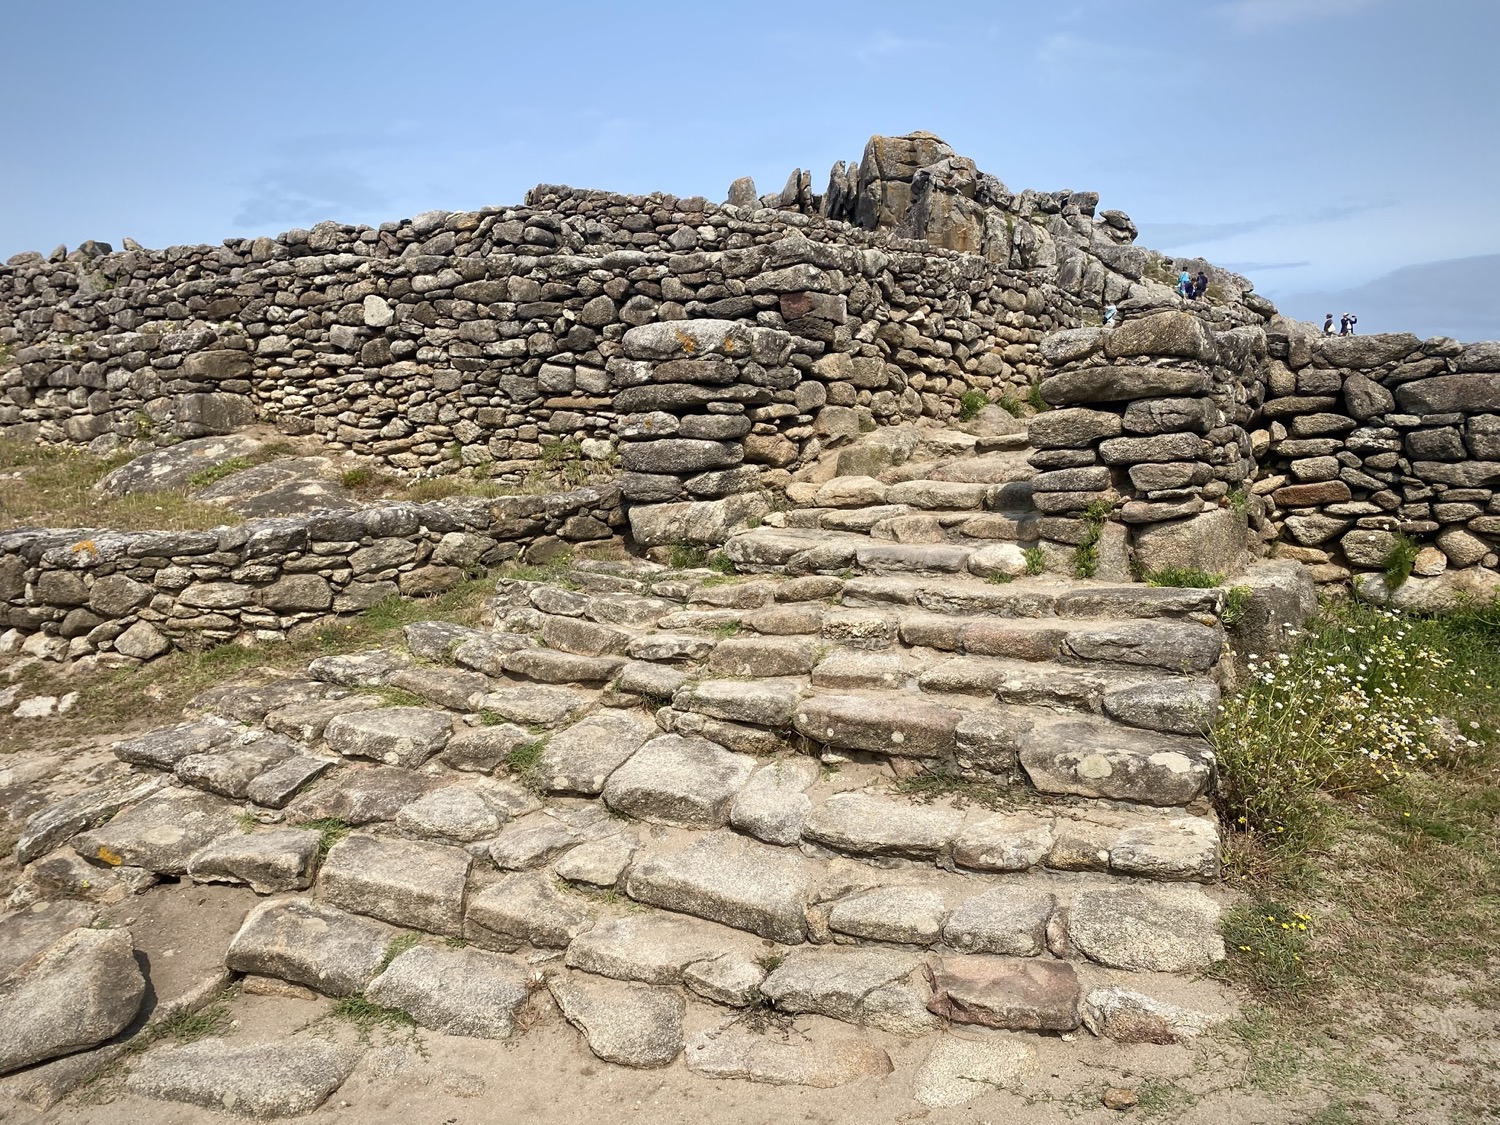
1146	454
1363	439
138	594
485	340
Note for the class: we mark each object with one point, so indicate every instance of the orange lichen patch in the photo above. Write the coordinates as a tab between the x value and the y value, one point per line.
113	858
689	345
87	545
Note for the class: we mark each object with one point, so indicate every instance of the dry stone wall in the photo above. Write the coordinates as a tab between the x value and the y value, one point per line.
1146	456
71	594
486	340
1366	439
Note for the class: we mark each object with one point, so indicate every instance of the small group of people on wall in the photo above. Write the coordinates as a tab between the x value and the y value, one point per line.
1346	324
1191	287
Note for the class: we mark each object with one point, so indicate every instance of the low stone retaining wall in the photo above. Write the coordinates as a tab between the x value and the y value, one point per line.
76	593
1367	438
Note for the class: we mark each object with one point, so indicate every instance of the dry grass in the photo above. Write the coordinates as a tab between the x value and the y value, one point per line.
51	486
111	701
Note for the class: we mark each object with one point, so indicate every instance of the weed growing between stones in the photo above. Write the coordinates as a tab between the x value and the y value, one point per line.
218	472
330	831
1086	554
1012	405
687	556
1399	561
1236	605
398	945
1270	944
970	403
393	696
525	762
1000	579
1183	577
1035	400
727	630
1036	560
368	1017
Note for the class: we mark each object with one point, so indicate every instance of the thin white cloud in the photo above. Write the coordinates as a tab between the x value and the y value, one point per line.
883	44
1263	15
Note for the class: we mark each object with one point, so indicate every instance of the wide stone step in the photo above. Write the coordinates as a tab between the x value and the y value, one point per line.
1182	647
1033	597
1176	705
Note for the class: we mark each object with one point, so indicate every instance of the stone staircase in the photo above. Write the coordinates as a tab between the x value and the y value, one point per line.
881	775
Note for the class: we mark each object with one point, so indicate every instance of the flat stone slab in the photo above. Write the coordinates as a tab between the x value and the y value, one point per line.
161	833
764	703
358	669
1169	929
897	725
250	1079
598	863
532	842
163	749
404	882
686	782
580	759
83	989
1018	995
649	947
866	824
526	908
763	656
1007	920
455	813
360	796
1095	758
297	940
728	879
904	915
27	933
773	805
275	787
446	687
175	465
53	825
397	736
482	749
535	704
549	666
822	1061
957	1071
630	1024
456	991
1176	646
850	668
873	987
1004	842
305	722
281	859
230	772
1130	1017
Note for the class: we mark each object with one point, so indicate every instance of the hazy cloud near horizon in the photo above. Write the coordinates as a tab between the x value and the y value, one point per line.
1459	298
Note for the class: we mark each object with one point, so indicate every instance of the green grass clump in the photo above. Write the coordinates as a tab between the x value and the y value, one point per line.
970	403
397	946
1036	560
687	556
727	630
1269	949
525	762
330	831
1035	400
368	1017
205	477
999	579
1185	577
1399	561
722	564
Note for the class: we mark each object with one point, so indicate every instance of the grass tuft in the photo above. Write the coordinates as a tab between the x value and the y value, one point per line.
1399	561
970	403
1036	560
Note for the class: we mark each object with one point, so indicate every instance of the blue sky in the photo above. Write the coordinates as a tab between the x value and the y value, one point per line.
1316	145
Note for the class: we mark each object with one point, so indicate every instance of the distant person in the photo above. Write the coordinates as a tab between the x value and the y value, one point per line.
1200	285
1110	312
1346	327
1184	283
1328	324
1353	320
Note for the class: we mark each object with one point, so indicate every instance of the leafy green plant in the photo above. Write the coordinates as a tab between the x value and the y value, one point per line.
1238	500
1399	561
397	946
1268	947
1011	404
1035	400
970	403
1366	697
727	630
1086	554
999	579
525	762
1236	604
687	556
722	563
1036	560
